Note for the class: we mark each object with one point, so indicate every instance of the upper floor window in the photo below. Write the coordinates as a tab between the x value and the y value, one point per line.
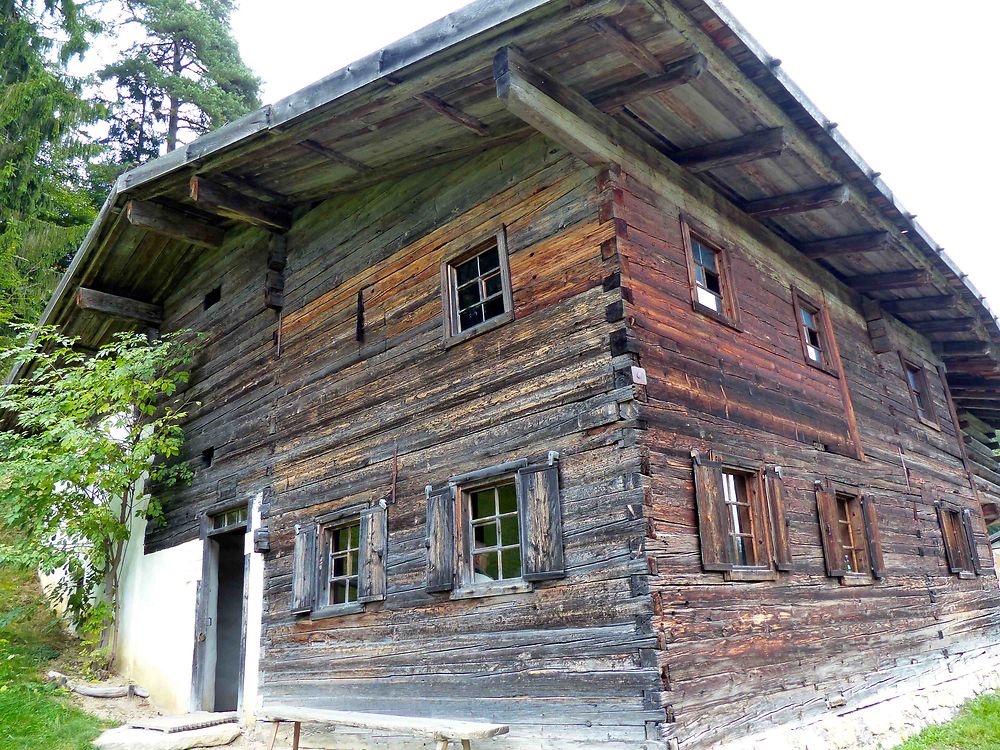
712	290
959	539
852	543
741	519
811	321
476	288
916	382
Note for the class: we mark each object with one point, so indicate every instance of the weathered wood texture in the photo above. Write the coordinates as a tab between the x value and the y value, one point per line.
737	657
569	663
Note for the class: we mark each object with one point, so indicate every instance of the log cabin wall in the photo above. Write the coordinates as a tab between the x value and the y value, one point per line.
737	657
317	415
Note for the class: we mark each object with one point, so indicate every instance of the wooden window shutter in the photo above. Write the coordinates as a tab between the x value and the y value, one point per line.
440	539
304	569
712	523
826	505
540	513
873	537
951	555
779	525
970	534
374	543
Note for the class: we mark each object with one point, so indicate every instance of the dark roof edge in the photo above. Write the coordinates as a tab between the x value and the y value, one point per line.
757	50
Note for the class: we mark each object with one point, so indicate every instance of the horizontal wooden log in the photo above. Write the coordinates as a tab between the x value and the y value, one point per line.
919	304
746	148
222	201
946	325
172	223
794	203
675	74
890	280
119	307
453	113
847	245
335	156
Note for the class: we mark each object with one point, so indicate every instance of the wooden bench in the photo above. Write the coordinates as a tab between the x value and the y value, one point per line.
444	731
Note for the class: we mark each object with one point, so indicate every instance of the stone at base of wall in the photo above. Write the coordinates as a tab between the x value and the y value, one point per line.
887	718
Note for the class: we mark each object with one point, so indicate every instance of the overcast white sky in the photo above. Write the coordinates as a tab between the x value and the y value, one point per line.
912	83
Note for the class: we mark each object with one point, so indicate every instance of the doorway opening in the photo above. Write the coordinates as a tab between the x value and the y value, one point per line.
229	621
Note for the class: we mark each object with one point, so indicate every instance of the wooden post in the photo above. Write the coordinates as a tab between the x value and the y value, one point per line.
274	735
296	733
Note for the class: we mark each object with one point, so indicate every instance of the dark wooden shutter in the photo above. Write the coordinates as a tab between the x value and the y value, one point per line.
304	569
873	536
970	534
826	506
440	539
779	525
712	524
374	542
951	555
540	513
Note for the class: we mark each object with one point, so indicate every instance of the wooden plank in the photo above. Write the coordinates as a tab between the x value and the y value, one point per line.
760	145
794	203
453	113
849	245
230	204
414	725
171	223
675	74
119	307
619	38
870	282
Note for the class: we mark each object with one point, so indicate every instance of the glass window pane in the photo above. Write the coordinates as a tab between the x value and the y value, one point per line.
339	566
485	535
493	308
511	563
484	503
468	295
494	285
713	283
491	565
352	590
508	498
338	592
466	272
709	300
509	533
353	557
471	317
489	260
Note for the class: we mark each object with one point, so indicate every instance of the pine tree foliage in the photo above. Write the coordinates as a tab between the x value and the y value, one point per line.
183	77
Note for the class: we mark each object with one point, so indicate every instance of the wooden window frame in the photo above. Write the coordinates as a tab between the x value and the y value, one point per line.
694	230
449	290
929	418
951	513
324	524
863	526
827	343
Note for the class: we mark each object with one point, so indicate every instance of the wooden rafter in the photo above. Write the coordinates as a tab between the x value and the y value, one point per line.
172	223
335	156
674	74
963	348
919	304
890	280
946	325
119	307
219	200
848	245
746	148
628	46
453	113
794	203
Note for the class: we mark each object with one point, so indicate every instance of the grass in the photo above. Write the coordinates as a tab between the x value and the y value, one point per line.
977	727
34	714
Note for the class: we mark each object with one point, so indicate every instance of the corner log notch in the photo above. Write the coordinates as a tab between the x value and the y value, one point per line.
172	223
222	201
119	307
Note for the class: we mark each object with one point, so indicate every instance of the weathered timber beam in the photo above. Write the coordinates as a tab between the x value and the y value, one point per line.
171	223
335	156
951	325
962	348
674	74
795	203
746	148
442	107
628	46
222	201
889	280
847	245
919	304
119	307
986	394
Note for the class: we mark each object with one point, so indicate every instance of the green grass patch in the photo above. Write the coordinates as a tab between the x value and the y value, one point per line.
977	727
34	714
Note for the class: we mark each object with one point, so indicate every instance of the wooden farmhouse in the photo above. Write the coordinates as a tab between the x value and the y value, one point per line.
563	368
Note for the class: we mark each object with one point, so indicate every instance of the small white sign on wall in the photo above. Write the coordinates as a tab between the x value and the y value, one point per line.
638	375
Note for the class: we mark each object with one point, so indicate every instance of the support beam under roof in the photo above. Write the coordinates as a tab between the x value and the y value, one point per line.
219	200
848	245
918	304
171	223
795	203
619	37
674	74
889	280
963	348
453	113
746	148
119	307
335	156
945	325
